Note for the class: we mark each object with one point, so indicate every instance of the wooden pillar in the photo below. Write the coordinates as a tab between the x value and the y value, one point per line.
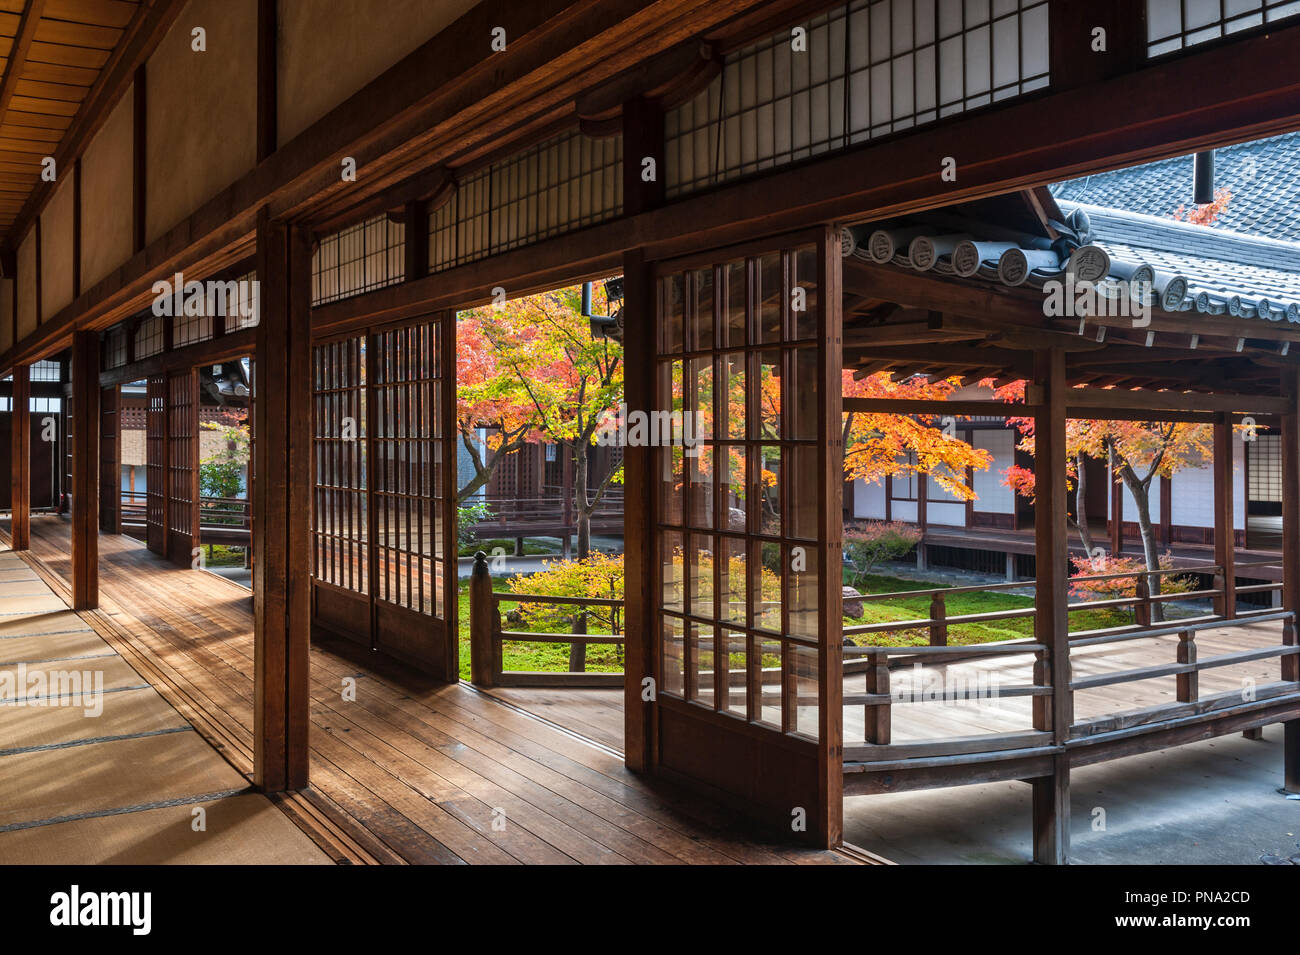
1051	800
281	496
21	460
1225	541
1291	564
1291	519
638	539
85	470
1116	516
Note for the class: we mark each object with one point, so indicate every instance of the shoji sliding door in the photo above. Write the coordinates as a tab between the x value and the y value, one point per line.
747	527
384	550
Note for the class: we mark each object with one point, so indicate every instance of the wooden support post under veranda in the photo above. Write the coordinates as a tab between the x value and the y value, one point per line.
1051	794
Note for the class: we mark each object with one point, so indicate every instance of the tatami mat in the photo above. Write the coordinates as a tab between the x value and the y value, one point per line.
240	830
129	713
113	776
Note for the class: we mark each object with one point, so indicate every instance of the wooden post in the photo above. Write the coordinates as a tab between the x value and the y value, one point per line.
938	621
1291	564
878	714
1188	683
1225	544
1051	800
639	663
21	460
481	610
85	470
1142	610
281	492
1051	814
1291	520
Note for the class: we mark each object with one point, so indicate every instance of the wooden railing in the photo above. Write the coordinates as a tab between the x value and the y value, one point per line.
549	511
487	635
224	512
879	696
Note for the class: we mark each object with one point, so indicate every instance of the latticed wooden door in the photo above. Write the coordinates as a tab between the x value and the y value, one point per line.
384	551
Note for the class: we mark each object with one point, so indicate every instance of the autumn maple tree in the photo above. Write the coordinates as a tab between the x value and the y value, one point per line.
1137	452
530	368
877	444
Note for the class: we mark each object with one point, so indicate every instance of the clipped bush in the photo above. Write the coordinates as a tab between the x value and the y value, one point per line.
868	543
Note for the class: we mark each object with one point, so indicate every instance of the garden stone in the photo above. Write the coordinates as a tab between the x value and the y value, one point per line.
852	603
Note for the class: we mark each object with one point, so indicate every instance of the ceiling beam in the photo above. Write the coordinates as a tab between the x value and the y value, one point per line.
17	60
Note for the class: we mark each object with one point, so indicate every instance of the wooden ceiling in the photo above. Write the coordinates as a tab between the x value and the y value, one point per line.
52	53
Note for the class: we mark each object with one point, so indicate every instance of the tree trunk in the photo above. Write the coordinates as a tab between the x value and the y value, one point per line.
1142	500
1081	505
582	515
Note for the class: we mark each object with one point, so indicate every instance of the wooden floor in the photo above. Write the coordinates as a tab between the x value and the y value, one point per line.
411	772
924	721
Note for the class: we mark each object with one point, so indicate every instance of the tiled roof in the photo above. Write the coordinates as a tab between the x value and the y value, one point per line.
1190	268
1263	176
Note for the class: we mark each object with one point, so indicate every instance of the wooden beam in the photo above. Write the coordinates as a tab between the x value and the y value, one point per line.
281	489
85	426
1097	399
16	60
1006	409
21	460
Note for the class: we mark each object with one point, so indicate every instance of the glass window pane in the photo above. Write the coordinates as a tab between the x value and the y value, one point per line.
731	406
699	477
701	684
770	374
737	278
671	477
731	459
700	402
769	490
731	672
673	656
804	491
767	596
769	675
803	667
733	573
700	336
701	564
805	391
802	584
804	292
671	300
671	570
771	303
